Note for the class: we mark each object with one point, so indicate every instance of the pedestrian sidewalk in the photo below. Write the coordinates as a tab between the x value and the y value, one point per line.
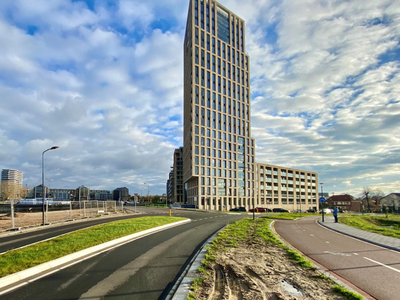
373	238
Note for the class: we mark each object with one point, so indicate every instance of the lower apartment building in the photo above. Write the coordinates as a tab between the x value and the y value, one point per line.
282	187
275	187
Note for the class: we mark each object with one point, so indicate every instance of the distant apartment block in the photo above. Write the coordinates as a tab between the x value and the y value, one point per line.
170	187
178	175
12	176
121	194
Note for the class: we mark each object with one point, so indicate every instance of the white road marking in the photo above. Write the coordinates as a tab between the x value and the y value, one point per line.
378	263
311	235
327	242
355	253
337	253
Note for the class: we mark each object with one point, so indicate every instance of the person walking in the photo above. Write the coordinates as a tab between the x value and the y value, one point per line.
335	214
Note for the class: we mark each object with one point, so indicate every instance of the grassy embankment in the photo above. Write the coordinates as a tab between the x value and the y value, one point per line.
24	258
388	225
250	231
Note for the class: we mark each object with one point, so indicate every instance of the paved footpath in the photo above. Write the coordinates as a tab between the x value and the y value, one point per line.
373	238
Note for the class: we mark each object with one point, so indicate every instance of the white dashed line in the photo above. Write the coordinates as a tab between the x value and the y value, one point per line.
383	265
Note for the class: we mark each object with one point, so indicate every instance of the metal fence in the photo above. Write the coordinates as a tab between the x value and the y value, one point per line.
55	211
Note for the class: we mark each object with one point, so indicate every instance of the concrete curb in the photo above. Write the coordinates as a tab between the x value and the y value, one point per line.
181	289
70	259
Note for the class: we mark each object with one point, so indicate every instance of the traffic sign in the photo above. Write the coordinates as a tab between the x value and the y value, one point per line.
322	199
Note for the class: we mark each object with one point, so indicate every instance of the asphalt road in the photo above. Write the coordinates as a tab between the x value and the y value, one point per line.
21	239
372	269
142	269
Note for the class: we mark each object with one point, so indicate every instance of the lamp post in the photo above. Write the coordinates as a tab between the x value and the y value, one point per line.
43	189
322	204
147	190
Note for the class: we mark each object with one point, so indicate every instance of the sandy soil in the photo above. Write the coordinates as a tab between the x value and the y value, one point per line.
262	272
26	220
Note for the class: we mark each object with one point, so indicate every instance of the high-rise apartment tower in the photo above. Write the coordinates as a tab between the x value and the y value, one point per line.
218	158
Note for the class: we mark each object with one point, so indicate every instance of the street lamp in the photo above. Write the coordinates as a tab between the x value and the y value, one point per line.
322	203
43	190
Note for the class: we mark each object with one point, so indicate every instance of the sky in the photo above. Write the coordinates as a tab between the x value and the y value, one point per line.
103	81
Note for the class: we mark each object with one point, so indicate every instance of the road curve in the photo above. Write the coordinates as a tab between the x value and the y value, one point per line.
372	269
143	269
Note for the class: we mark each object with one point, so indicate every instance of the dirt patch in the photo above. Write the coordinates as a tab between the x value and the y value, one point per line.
262	272
33	219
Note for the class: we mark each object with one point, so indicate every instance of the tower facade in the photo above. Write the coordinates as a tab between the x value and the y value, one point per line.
219	157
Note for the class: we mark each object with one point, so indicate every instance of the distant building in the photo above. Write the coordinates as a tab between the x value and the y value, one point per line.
121	194
38	191
391	202
82	193
178	175
101	195
345	202
170	187
12	176
62	194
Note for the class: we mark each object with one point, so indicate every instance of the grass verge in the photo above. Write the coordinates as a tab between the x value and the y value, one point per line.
249	231
287	216
21	259
388	225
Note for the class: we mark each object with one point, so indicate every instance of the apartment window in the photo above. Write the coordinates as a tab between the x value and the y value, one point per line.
213	63
196	55
196	12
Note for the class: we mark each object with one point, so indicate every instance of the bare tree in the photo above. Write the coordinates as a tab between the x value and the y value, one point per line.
10	190
370	195
377	196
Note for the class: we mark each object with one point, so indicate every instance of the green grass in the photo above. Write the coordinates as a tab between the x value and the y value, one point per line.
287	216
21	259
346	293
388	225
